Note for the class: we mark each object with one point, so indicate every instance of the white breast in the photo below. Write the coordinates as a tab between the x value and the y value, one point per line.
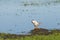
35	22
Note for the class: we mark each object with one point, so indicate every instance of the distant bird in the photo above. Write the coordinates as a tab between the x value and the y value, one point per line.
35	23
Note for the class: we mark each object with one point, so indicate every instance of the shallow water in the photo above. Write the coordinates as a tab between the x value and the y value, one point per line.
15	17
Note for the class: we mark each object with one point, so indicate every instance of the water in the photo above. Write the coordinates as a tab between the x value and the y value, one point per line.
15	17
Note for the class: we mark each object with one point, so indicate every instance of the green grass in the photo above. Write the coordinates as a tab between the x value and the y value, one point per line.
55	36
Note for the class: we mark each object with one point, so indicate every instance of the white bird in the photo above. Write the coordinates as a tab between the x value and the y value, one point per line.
35	23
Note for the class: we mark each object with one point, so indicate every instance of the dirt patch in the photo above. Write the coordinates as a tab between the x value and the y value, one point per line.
40	31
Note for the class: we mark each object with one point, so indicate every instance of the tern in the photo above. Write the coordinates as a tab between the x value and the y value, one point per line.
35	23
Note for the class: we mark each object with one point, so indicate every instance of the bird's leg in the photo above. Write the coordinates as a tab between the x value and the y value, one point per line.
36	27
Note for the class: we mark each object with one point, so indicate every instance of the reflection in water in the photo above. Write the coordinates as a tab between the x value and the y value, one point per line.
58	23
39	3
10	30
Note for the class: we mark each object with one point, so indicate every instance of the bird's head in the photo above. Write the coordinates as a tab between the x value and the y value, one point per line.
34	21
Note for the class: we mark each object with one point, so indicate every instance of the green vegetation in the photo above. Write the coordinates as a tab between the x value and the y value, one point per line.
54	35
